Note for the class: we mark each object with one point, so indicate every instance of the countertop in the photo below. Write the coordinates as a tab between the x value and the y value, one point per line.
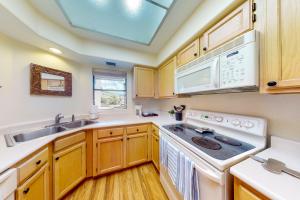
274	186
11	155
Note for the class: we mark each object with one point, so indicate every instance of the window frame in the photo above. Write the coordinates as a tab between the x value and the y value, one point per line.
126	94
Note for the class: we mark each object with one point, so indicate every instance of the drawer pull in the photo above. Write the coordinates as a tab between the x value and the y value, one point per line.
137	130
204	48
26	191
272	83
156	140
111	133
38	162
195	54
57	158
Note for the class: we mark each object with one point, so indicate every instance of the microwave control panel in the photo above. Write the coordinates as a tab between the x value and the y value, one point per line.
239	67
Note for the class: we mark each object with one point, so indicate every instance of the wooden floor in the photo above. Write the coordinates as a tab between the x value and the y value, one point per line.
138	183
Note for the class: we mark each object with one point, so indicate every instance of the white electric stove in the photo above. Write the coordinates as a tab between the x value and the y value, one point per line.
214	142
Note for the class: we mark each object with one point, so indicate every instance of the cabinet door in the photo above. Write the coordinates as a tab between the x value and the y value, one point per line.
189	53
282	62
144	82
110	154
36	187
69	168
234	24
245	192
166	74
136	149
155	151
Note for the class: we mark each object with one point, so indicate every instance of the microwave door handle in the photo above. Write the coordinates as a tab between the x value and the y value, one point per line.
209	174
215	73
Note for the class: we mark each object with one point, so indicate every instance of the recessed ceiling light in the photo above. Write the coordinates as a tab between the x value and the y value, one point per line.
54	50
133	5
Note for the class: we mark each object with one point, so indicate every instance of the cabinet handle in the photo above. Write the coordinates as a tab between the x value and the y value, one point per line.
137	130
272	83
204	48
156	140
26	191
128	138
136	95
38	162
195	54
110	133
173	93
57	158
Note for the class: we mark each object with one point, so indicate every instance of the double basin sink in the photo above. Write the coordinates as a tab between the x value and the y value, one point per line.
12	139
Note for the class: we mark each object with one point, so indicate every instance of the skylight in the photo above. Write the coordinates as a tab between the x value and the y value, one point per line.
134	20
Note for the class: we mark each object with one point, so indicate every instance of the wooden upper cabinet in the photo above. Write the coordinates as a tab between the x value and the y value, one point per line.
136	149
110	154
144	82
166	74
69	168
36	187
189	53
237	22
281	72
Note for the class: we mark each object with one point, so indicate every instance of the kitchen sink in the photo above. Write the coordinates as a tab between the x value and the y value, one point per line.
12	139
23	137
78	123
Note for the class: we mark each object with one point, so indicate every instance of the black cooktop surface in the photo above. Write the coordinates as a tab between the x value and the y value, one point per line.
214	144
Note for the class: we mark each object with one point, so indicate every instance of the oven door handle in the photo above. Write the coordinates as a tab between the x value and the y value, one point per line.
209	174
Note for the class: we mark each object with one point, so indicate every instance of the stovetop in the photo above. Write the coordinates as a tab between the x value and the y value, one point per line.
207	140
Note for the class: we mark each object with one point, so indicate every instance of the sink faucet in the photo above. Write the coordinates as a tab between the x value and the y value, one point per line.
58	117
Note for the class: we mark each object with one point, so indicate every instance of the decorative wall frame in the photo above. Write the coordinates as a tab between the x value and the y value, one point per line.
48	81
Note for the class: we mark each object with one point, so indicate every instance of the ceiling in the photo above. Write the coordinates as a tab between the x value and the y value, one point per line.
151	29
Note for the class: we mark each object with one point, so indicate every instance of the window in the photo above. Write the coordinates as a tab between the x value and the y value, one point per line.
110	90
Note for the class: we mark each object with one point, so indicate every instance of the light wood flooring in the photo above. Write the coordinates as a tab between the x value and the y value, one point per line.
138	183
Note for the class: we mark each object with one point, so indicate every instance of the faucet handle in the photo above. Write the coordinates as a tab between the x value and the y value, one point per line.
73	118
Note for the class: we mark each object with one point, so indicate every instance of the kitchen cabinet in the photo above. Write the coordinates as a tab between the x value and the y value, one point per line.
166	75
69	168
110	154
189	53
144	82
281	66
36	187
136	149
237	22
242	191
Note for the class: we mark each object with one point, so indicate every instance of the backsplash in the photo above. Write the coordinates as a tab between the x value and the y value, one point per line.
281	111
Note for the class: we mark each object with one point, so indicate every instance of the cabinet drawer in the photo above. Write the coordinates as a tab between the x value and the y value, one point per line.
68	141
155	131
137	129
110	132
33	164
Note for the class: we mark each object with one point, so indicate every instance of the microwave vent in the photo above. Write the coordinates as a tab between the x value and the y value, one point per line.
234	43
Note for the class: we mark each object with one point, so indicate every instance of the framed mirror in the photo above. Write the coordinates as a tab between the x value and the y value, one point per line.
48	81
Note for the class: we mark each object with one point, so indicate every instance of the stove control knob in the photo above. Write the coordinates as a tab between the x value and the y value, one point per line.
248	124
236	122
219	119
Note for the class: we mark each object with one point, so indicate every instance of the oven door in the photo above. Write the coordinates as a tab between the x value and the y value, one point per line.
213	184
203	76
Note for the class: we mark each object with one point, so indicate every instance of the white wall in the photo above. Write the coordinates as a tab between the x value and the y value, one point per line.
16	103
282	111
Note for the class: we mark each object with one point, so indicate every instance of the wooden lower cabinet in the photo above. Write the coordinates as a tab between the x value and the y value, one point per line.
69	168
155	150
136	149
242	191
36	187
110	154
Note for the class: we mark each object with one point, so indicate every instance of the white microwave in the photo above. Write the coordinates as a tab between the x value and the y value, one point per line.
234	67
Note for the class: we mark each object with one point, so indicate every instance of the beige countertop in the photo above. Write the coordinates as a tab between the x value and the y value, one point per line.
275	186
11	155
